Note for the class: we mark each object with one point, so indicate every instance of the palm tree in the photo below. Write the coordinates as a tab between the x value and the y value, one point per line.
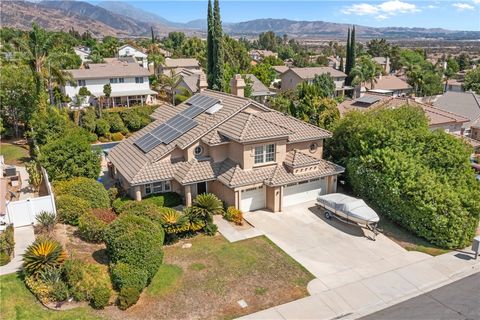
414	76
157	60
206	205
166	83
366	70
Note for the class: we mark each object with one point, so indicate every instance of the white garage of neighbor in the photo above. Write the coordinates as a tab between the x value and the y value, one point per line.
303	191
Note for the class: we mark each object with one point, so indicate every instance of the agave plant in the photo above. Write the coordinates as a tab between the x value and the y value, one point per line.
173	221
43	253
206	205
46	220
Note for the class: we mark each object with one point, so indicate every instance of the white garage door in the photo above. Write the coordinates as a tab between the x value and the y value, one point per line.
252	199
303	191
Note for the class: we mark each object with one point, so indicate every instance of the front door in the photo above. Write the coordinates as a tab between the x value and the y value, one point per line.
201	188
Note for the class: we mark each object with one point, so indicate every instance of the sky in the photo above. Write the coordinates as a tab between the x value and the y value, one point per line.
448	14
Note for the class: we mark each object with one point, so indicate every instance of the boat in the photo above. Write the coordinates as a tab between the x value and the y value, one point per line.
349	209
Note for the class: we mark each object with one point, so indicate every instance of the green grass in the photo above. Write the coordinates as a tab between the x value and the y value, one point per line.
164	280
197	266
16	302
14	154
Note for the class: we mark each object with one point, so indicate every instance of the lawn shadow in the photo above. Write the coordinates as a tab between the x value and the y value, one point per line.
101	256
353	230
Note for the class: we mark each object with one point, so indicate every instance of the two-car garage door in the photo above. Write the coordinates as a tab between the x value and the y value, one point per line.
303	191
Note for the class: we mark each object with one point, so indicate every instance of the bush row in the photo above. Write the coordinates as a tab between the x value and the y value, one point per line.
7	245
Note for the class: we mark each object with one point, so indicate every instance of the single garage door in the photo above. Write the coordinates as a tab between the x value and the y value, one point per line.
303	191
252	199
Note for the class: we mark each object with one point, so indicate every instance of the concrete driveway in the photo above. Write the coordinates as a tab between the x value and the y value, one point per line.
334	252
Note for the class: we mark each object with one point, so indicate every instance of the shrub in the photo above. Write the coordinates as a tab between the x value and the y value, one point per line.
117	136
69	208
134	119
167	199
7	245
173	221
100	297
102	127
115	122
88	120
141	209
206	205
118	204
105	215
59	291
43	253
136	241
234	215
128	297
91	228
210	229
46	220
125	276
88	189
41	290
112	194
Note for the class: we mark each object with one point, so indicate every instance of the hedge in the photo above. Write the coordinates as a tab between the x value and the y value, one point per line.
125	276
141	209
167	199
70	208
88	189
91	228
7	245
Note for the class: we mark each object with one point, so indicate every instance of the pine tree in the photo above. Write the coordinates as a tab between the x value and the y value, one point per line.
218	54
210	53
153	35
347	54
353	49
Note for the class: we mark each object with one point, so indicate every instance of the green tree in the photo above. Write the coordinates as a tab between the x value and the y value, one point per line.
107	91
348	67
264	72
168	84
472	80
378	48
463	61
34	174
218	82
367	70
352	55
70	156
210	49
49	124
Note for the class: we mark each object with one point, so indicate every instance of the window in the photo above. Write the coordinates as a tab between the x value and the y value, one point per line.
198	151
313	147
264	153
113	80
121	80
138	79
157	187
81	83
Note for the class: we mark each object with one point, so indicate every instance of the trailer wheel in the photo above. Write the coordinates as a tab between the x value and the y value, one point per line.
328	216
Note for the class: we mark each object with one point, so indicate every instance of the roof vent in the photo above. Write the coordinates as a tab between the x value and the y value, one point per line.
213	109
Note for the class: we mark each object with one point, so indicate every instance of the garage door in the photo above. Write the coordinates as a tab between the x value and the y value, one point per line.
303	191
252	199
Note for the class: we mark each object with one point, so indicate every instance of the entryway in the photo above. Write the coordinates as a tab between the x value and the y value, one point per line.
201	188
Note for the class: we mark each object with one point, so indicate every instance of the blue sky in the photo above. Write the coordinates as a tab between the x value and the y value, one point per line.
453	14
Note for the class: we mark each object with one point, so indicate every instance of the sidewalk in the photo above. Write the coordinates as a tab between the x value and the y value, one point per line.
23	238
231	234
371	294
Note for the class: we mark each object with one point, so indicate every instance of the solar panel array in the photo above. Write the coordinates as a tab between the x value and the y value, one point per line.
176	125
368	99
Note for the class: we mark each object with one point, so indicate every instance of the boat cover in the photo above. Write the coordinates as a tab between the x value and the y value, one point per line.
350	206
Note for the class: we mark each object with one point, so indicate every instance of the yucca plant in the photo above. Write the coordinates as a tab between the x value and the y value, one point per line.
173	221
42	254
206	205
46	220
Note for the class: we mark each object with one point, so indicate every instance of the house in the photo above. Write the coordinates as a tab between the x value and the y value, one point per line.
130	51
129	83
259	55
437	118
388	85
189	81
260	92
83	53
294	76
466	104
384	62
333	62
176	65
454	85
250	156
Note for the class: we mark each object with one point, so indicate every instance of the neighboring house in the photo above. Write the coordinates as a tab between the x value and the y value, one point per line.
250	156
333	62
189	81
454	85
475	130
437	118
294	76
130	51
83	53
466	104
384	62
259	55
176	65
259	91
389	86
129	83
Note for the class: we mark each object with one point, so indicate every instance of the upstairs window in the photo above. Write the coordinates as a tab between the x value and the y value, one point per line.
138	79
81	83
264	153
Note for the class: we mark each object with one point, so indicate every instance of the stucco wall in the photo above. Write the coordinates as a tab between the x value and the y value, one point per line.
273	198
222	191
289	80
249	153
96	86
305	148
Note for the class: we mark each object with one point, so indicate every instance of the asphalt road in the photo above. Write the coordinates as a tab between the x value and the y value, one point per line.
458	300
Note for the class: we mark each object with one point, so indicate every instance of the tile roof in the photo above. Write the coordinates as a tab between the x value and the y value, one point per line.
311	72
214	138
179	63
196	171
466	104
258	88
231	175
388	83
297	158
160	170
280	69
108	70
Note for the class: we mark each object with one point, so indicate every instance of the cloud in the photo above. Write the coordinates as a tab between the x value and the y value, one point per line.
431	6
382	10
463	6
476	1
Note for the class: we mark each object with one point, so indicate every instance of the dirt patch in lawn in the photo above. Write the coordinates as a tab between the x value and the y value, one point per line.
206	281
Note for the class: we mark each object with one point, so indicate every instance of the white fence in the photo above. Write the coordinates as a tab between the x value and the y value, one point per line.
24	212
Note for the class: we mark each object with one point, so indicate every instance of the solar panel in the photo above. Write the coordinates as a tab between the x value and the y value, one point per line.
203	101
147	142
192	111
368	99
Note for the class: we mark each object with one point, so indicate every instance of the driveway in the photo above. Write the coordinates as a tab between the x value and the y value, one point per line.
334	252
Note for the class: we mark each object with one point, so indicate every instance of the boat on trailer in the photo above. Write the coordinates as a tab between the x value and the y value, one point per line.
349	209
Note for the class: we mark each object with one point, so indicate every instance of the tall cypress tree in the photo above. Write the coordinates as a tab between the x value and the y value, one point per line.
347	54
210	53
218	54
353	49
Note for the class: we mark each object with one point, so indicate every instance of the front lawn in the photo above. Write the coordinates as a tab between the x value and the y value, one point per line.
207	280
14	154
16	302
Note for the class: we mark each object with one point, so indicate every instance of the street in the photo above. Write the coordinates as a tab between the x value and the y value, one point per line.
458	300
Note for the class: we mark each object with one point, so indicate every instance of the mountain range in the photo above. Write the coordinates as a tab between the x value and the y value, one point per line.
120	19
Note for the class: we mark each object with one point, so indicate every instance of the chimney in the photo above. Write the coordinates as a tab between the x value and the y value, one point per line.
202	83
237	85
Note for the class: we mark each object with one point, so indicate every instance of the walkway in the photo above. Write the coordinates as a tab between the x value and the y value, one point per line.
355	276
26	192
23	238
233	234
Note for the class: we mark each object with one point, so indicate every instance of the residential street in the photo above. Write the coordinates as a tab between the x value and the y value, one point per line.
458	300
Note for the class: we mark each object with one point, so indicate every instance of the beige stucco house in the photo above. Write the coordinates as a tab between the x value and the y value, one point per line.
250	156
292	77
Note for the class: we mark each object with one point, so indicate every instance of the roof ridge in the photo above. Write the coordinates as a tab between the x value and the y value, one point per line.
247	124
298	120
439	111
